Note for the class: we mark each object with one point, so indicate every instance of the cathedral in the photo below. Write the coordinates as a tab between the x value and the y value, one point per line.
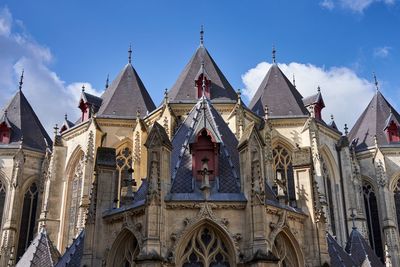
200	180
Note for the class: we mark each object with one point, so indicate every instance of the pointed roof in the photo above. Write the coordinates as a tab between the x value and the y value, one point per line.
40	253
125	96
73	254
279	94
372	122
359	250
203	113
314	99
339	257
24	124
184	87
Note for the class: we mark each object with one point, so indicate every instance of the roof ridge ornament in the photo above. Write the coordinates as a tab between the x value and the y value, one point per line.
376	82
83	88
319	89
107	80
294	81
273	54
21	80
130	54
353	216
202	35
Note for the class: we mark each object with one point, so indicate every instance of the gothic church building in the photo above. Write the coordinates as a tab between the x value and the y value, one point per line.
200	180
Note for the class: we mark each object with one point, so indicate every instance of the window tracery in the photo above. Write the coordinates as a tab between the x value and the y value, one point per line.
372	215
2	200
284	180
28	219
206	249
127	252
329	195
125	180
284	250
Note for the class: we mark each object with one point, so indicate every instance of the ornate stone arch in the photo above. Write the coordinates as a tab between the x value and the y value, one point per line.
73	159
124	250
287	249
207	243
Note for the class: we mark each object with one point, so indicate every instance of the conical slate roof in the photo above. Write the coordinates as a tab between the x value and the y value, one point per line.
126	96
40	253
279	94
359	250
25	125
204	114
339	257
372	122
184	88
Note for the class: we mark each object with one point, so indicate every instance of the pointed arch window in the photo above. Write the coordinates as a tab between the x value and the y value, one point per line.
396	194
125	173
75	193
126	251
206	249
372	215
28	219
2	201
285	251
284	180
329	195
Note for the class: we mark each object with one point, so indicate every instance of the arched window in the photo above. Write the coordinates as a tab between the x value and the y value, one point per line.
124	170
2	201
75	192
285	251
28	219
329	196
396	193
372	215
125	251
206	249
284	180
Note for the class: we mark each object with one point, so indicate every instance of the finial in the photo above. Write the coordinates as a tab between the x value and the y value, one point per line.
55	129
201	35
353	216
130	54
66	116
266	111
166	95
376	82
83	88
376	140
5	113
346	129
203	86
294	81
239	93
138	113
273	54
332	118
21	80
319	89
107	80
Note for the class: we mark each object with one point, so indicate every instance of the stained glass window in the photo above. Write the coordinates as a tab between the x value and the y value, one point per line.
28	219
124	170
206	249
284	174
2	201
329	196
372	215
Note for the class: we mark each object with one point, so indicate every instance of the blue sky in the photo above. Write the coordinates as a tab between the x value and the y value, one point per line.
333	43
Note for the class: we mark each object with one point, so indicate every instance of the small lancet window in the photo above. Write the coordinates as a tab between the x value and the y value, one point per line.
205	155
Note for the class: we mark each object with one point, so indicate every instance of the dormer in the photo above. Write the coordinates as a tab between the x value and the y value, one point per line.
204	152
202	79
315	104
5	130
88	104
66	125
392	129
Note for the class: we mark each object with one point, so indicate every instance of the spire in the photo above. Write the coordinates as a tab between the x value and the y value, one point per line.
201	35
273	54
130	54
107	80
376	82
21	80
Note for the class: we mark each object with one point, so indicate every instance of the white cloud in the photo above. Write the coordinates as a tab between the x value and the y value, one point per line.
357	6
345	94
382	52
48	94
328	4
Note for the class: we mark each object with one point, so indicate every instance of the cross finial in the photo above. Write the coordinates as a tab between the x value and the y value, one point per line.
21	80
376	82
353	216
273	54
202	35
83	88
130	54
107	80
346	129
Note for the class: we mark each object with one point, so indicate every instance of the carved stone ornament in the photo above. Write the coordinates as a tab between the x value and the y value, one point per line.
277	227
